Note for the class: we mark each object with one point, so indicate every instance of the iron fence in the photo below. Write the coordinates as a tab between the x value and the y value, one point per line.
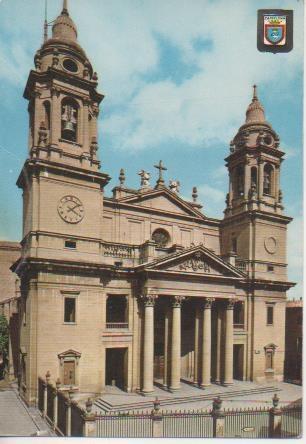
291	422
137	425
247	423
69	419
187	425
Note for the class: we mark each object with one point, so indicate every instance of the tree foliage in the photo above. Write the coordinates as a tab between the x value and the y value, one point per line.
4	335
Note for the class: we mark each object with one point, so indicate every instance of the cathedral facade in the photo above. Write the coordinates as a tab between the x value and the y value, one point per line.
142	287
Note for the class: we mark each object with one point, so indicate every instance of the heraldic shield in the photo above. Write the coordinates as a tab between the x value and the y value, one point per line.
275	30
274	34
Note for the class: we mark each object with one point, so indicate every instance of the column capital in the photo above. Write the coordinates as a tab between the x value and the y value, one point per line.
149	297
230	303
177	301
206	303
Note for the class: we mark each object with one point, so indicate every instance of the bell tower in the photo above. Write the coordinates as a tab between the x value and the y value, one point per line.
61	182
254	228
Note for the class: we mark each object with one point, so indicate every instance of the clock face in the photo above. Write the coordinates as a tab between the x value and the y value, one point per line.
270	245
71	209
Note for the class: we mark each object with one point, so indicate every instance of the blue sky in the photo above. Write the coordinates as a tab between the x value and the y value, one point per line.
177	78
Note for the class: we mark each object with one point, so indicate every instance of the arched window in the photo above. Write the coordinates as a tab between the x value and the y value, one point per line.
268	179
239	181
254	177
69	120
161	237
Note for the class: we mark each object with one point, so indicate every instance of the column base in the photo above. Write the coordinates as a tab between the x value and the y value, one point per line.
174	389
204	386
147	393
226	384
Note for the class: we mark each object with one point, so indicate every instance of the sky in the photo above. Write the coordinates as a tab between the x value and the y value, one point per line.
177	77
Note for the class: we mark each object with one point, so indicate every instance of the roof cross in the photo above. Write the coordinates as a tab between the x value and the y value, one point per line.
161	168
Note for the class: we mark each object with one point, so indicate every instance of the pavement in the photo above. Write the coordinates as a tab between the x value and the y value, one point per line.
16	419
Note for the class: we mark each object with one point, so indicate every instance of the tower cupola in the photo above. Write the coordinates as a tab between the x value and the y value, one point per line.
64	27
255	112
254	164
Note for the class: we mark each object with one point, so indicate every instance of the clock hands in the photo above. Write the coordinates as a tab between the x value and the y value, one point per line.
73	209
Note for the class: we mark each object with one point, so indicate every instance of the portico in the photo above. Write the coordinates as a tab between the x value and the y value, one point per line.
202	364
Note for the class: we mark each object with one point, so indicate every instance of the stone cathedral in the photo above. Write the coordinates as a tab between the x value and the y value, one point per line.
142	287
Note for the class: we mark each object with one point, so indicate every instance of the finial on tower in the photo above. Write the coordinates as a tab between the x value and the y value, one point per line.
46	22
65	7
255	93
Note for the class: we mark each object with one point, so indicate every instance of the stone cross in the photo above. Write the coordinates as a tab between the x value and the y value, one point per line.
161	168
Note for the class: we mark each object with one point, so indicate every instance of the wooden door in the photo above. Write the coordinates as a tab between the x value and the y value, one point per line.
69	373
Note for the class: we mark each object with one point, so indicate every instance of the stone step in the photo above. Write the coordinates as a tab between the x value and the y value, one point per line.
106	406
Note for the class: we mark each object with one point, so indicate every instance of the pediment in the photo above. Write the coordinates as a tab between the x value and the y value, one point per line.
196	260
164	200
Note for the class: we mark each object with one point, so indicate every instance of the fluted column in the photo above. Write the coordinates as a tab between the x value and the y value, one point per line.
176	343
218	345
196	347
206	342
229	341
148	341
166	341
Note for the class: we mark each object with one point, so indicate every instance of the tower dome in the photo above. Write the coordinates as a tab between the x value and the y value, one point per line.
64	27
255	112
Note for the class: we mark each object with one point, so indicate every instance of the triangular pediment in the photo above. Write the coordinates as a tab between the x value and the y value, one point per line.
195	260
164	200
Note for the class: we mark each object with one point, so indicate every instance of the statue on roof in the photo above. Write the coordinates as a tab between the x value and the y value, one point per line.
145	178
174	186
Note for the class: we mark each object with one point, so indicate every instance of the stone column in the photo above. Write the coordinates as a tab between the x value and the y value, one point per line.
229	340
196	346
148	349
166	341
56	116
247	179
85	123
275	419
206	342
276	182
218	345
260	178
176	343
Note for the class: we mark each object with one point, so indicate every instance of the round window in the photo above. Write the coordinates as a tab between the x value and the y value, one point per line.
161	237
268	140
70	65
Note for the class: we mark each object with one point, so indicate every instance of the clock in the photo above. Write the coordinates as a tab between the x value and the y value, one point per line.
270	244
70	209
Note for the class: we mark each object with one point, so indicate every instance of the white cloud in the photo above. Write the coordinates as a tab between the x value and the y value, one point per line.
212	199
119	37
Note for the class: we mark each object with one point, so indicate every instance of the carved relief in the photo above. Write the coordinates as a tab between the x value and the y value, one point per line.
149	297
195	263
177	301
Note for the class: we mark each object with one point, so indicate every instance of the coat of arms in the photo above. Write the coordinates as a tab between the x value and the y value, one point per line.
275	30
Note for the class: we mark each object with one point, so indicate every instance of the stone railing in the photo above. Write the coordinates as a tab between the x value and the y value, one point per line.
239	326
117	325
122	251
242	265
